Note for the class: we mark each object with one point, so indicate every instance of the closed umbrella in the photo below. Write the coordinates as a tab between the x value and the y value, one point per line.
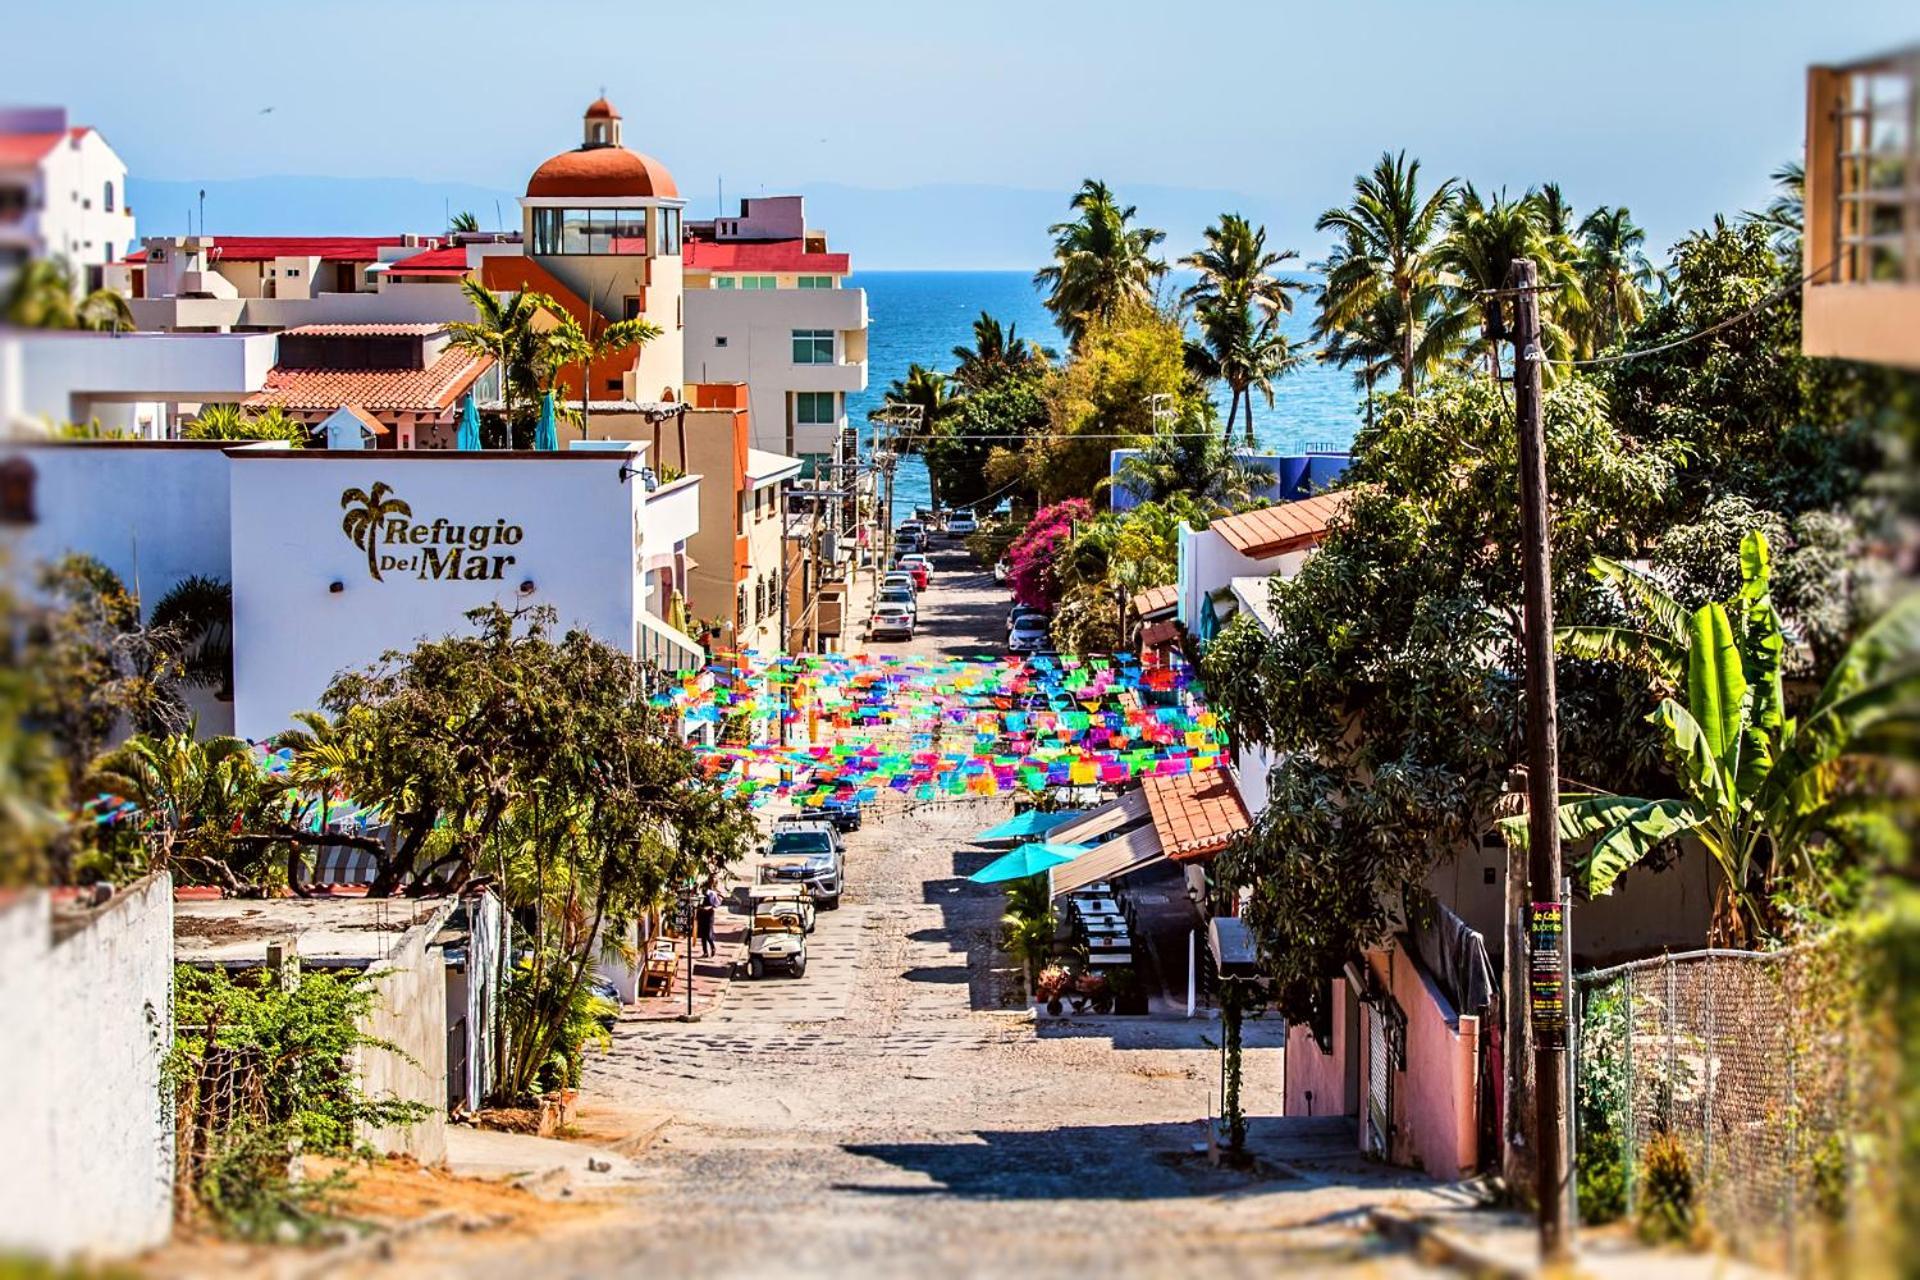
1029	859
545	436
468	436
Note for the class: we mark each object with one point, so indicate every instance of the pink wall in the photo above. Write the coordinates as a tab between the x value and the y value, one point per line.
1322	1074
1435	1103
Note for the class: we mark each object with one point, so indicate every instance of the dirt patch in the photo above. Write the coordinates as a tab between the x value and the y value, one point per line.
400	1189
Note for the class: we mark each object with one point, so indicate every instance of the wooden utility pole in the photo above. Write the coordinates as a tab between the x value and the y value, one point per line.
1547	984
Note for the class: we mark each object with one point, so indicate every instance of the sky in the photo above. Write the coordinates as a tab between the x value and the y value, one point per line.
1676	108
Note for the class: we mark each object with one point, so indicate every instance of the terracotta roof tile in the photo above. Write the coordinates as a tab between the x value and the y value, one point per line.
437	262
1195	814
416	329
1290	526
1155	600
433	389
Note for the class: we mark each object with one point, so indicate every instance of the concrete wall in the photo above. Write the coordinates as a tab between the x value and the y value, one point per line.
86	1020
576	544
1323	1075
70	377
758	325
1207	564
1435	1103
410	1013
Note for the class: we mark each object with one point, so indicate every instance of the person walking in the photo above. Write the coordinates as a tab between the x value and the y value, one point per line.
703	918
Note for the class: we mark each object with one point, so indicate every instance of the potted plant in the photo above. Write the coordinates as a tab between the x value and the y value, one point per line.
1123	985
1094	988
1049	986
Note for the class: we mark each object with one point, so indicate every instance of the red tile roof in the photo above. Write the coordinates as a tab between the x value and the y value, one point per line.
761	255
1155	600
266	248
601	171
1291	526
451	261
413	329
24	150
433	389
1195	814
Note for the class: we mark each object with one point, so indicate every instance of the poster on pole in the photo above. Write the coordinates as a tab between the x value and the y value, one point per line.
1547	978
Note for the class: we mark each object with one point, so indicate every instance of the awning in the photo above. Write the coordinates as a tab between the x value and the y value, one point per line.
1131	852
765	468
1093	824
667	648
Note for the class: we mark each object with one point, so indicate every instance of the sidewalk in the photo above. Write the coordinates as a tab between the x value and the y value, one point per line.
1502	1243
711	977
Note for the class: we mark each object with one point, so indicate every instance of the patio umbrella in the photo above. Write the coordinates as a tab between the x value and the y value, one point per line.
545	436
1031	823
1029	859
468	435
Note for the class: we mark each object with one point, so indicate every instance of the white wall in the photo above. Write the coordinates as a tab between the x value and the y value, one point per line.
758	325
75	223
578	547
60	377
86	1022
1208	564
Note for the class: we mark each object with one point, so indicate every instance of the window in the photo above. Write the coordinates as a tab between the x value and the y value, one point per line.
630	307
815	408
759	599
740	605
724	282
667	225
813	346
106	198
596	231
17	481
292	272
613	385
816	282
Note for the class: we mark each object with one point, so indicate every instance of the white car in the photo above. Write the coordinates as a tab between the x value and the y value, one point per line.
893	593
890	620
962	523
1030	634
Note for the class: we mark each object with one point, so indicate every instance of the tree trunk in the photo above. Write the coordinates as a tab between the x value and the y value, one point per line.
1405	293
586	394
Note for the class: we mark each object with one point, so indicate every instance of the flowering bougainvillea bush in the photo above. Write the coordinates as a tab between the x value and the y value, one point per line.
1030	558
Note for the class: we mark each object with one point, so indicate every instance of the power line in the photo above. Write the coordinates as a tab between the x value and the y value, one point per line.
1622	357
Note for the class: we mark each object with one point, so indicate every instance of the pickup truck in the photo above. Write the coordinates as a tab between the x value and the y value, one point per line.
810	854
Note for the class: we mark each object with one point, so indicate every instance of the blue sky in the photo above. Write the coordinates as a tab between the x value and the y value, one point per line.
1677	108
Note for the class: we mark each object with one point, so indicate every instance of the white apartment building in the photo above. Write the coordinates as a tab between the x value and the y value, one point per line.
767	305
63	194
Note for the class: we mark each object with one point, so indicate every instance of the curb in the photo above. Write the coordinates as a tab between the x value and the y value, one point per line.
1436	1244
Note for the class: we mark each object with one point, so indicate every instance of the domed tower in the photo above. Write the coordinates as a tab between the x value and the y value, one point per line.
603	223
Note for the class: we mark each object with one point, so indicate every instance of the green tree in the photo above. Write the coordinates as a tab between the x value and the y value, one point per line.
45	295
507	329
929	392
198	612
1483	237
1102	264
1000	416
232	422
1236	303
1390	233
194	797
1758	786
463	223
1616	275
571	343
998	354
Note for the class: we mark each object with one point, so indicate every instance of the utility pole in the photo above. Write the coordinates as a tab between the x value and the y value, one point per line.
1547	959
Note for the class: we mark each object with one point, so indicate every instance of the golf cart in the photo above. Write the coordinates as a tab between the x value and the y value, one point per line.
764	898
776	939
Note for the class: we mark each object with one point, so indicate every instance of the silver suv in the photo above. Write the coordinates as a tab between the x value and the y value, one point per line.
807	852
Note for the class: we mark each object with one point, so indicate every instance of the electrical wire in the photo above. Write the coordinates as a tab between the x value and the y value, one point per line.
1622	357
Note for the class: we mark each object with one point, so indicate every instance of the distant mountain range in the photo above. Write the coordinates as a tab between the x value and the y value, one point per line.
936	227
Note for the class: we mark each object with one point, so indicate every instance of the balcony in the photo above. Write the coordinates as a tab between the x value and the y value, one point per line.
1862	293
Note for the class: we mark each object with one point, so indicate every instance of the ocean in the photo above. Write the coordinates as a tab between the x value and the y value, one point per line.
918	317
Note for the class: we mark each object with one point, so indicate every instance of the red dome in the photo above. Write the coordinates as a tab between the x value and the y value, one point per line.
601	109
602	171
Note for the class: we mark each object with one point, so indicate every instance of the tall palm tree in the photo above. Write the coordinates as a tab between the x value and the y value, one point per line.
1243	348
926	390
1390	233
463	223
570	343
1786	214
1555	211
1373	339
1617	274
998	352
505	329
198	610
365	511
1101	263
1484	236
45	295
1236	266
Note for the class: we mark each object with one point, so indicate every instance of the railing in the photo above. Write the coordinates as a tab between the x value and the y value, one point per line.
1863	172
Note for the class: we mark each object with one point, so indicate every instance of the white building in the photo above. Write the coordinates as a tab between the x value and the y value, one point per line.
63	194
142	384
337	557
767	305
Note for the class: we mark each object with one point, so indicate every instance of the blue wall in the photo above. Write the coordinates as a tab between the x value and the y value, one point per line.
1295	476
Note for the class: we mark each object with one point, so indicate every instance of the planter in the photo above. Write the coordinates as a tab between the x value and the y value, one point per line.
1053	1006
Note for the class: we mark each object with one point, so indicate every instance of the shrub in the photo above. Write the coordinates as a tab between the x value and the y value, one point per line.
1667	1191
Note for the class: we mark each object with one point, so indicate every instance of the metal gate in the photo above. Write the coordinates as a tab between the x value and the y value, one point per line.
1379	1119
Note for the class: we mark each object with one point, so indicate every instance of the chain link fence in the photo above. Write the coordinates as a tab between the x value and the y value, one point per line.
1761	1068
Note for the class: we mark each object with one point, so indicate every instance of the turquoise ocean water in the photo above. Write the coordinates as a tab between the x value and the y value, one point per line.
920	316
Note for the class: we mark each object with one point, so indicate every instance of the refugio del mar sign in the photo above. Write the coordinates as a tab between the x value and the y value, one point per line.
383	525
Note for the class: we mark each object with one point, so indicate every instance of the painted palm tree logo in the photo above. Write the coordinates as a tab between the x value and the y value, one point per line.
366	512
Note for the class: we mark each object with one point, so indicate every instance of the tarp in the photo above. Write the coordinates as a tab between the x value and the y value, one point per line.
1021	825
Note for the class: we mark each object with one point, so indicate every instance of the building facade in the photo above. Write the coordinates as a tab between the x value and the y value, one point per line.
63	195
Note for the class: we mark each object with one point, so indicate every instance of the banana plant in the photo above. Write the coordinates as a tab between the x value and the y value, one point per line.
1757	786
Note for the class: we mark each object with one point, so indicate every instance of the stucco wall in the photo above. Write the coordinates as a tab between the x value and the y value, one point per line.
1323	1075
86	1022
758	326
1435	1105
1207	564
410	1013
577	548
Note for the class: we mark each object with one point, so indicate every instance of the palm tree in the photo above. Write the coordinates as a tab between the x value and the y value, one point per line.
1373	339
1390	231
997	353
1555	211
1483	238
1617	274
464	223
1101	264
231	422
1786	214
1244	350
43	296
199	613
925	390
1235	266
569	343
364	513
183	786
505	330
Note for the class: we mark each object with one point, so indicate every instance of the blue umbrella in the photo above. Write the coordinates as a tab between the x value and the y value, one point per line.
545	436
1031	823
1029	859
468	436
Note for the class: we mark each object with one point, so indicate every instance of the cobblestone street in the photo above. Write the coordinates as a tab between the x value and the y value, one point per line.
882	1116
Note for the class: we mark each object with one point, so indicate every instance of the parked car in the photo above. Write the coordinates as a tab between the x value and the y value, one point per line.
895	620
892	594
961	524
1017	611
759	896
1031	634
910	536
903	579
918	567
843	814
807	853
776	939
